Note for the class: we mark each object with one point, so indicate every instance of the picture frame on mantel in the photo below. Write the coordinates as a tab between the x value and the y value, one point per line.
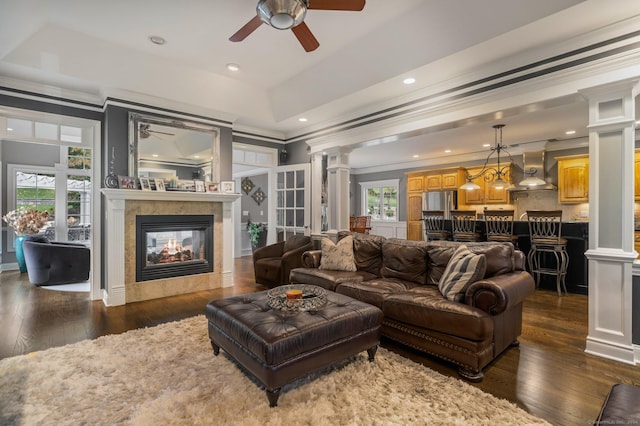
227	187
127	182
199	185
160	185
145	185
213	187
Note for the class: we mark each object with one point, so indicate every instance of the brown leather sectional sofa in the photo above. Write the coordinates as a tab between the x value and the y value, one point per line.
401	277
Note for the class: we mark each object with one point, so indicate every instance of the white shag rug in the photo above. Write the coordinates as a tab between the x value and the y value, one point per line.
168	375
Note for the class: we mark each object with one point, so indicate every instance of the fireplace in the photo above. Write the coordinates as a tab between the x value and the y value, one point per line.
173	245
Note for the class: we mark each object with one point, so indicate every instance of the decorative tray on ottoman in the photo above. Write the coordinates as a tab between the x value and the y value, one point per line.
297	298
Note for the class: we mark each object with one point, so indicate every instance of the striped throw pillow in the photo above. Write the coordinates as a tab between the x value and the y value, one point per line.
463	268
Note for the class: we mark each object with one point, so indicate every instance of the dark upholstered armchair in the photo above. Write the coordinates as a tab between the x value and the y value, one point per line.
272	264
51	263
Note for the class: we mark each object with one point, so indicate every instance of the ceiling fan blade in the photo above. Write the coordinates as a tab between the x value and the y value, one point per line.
305	37
354	5
248	28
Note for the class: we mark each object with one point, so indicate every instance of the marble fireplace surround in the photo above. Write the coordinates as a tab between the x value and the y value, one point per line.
122	207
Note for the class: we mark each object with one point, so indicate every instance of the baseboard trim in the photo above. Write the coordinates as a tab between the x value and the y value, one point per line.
625	354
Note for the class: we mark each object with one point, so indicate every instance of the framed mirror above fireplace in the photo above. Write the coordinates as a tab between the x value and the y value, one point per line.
173	149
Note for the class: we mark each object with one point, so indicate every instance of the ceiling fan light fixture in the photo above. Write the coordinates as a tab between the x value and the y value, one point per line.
281	14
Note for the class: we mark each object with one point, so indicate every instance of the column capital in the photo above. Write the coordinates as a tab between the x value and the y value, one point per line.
338	158
614	90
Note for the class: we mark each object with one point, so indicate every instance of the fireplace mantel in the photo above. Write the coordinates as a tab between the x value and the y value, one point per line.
114	292
134	194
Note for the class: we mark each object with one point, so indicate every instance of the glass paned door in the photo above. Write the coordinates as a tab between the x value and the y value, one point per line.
292	200
37	190
78	208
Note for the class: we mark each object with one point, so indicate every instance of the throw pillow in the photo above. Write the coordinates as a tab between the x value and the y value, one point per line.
337	257
463	268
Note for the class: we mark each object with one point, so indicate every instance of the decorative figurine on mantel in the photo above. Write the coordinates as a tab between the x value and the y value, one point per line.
111	180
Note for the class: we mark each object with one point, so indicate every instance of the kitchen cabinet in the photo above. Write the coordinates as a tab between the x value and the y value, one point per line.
415	188
573	179
415	183
486	194
440	180
424	181
433	182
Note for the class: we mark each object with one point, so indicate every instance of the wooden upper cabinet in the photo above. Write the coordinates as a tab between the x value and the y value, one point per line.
444	179
415	183
474	196
433	182
486	194
573	179
452	180
498	196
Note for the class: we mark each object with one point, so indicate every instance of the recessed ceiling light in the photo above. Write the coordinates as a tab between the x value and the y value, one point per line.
302	119
233	67
570	132
154	155
447	151
157	40
9	129
415	156
409	80
196	156
486	145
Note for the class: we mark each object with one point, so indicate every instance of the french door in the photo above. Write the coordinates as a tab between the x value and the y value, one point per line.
292	194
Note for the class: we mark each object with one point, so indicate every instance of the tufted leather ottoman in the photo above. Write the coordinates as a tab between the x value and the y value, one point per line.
621	407
278	347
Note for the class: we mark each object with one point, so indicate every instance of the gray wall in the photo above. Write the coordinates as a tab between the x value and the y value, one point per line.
250	206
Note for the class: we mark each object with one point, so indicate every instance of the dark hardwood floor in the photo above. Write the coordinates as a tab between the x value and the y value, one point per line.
549	374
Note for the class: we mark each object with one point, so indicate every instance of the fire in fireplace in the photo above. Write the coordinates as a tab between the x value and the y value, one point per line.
173	245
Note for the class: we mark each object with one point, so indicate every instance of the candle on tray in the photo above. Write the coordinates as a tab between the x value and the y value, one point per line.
294	294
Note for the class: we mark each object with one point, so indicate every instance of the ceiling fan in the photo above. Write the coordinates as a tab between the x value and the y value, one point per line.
285	14
145	131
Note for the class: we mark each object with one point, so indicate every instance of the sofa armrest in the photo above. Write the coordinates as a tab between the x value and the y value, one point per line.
273	250
293	259
499	293
519	261
311	258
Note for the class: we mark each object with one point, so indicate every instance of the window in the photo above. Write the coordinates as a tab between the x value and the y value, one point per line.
79	158
380	199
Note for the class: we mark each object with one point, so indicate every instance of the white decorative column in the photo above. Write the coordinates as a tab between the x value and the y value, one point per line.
338	187
611	231
227	242
114	292
316	193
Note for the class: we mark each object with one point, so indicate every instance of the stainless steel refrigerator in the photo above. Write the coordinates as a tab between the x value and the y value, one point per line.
440	200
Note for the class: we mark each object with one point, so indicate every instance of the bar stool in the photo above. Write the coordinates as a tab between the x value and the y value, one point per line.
434	225
463	223
545	233
499	226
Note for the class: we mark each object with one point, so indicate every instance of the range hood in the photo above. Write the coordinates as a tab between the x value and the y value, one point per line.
534	166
